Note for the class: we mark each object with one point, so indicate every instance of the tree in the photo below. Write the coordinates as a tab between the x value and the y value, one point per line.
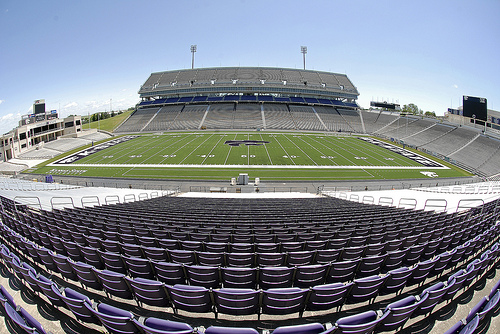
411	109
430	114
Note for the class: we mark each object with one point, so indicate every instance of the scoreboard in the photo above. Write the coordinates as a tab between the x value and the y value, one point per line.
475	107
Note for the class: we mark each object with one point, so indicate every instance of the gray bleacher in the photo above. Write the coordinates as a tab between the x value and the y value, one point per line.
305	118
431	133
278	117
399	128
220	116
40	153
332	119
164	119
491	166
477	152
137	120
65	144
452	141
352	119
248	116
190	117
376	120
96	136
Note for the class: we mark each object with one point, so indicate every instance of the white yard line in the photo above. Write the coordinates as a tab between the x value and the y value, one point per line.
247	166
187	156
270	160
315	163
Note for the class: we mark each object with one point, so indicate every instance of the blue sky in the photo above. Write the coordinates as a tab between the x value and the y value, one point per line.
81	55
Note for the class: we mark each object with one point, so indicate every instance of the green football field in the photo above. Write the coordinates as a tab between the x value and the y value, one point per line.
270	156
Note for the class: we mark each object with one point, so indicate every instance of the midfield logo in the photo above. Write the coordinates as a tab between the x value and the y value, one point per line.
246	142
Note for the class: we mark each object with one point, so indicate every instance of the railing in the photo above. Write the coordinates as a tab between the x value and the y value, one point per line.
248	189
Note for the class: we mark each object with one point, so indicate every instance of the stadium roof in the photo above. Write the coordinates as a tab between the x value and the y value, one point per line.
248	80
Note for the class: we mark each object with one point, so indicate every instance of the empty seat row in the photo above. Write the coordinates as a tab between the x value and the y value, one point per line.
237	301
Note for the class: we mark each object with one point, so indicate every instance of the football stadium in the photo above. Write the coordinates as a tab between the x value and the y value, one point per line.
252	200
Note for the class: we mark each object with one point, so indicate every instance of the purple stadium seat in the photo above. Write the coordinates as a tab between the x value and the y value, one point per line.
153	325
361	323
236	301
313	328
230	330
114	319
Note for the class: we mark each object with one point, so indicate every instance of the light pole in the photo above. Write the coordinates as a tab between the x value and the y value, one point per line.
193	50
303	49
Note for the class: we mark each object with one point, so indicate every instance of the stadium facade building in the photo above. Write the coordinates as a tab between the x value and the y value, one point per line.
243	98
248	84
35	129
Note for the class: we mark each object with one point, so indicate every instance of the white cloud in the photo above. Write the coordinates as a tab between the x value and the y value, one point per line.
2	101
8	117
455	86
71	105
9	121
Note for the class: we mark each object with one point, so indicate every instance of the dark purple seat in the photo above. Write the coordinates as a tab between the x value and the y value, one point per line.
361	323
24	320
205	276
352	253
414	254
236	301
6	297
310	275
267	247
432	296
43	254
313	328
139	267
24	270
283	301
45	285
75	302
343	271
484	308
210	259
153	325
72	249
275	277
370	265
114	283
270	259
91	256
328	296
442	262
86	275
458	279
245	278
114	319
396	280
132	250
365	289
186	257
299	258
155	253
230	330
63	266
240	259
471	326
149	292
327	255
169	273
190	298
398	313
421	271
395	259
113	262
